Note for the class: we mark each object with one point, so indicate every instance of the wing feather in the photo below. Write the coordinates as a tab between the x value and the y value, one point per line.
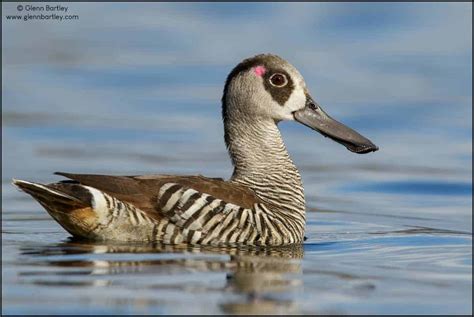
142	190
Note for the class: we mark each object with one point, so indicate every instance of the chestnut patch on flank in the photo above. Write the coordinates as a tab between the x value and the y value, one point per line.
85	216
76	221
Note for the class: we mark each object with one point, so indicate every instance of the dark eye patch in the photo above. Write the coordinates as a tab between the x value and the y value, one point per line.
279	94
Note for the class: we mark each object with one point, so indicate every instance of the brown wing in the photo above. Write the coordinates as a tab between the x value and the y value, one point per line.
142	191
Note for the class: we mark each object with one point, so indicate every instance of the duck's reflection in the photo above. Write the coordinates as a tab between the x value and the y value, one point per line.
262	277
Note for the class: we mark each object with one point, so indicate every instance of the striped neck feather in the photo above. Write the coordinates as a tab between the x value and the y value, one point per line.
262	163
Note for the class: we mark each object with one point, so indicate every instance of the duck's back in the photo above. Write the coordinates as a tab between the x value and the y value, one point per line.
142	190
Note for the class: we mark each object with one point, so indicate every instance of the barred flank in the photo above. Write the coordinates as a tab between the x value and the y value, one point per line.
196	217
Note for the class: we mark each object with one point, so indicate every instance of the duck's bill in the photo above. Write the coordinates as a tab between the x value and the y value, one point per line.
314	117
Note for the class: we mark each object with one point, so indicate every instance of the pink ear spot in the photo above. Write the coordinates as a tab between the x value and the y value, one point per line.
260	70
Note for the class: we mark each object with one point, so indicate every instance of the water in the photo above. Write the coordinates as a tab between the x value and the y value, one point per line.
135	88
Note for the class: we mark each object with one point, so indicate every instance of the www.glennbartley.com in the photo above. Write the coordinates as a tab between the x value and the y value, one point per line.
35	12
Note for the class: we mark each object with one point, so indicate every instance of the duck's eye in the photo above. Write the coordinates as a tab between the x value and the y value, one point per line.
278	80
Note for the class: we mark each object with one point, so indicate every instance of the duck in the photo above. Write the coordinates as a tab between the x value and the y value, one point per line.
263	202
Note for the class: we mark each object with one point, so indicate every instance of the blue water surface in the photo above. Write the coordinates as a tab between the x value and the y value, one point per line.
131	88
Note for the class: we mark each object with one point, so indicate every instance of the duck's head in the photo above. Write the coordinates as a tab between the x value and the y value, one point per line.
266	87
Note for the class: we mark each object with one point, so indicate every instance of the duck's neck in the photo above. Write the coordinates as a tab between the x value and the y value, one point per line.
262	163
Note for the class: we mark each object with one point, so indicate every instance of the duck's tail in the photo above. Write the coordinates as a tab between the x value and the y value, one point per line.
69	203
49	194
